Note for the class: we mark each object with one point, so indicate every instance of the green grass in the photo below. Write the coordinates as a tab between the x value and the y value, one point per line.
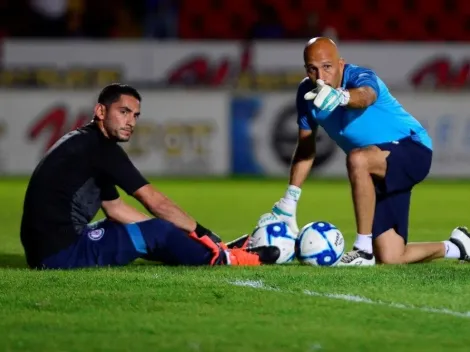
145	307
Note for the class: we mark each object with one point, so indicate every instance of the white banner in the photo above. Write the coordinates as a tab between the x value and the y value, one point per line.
447	118
178	133
152	62
267	126
400	66
273	65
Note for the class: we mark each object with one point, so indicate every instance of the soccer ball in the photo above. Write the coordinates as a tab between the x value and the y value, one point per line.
275	234
320	243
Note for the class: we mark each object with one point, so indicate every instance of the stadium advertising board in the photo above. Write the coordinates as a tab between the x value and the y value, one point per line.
259	65
171	138
53	77
264	132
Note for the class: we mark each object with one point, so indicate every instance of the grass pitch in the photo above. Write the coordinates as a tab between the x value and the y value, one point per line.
145	307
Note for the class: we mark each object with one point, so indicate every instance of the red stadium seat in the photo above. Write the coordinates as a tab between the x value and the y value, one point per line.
437	20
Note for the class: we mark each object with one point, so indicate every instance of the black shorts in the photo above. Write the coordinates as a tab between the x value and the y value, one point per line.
408	163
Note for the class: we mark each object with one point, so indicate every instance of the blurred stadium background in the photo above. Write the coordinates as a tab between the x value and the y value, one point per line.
219	77
218	80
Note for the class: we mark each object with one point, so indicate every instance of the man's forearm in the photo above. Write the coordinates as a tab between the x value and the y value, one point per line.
127	214
166	210
169	211
300	169
162	207
123	213
361	98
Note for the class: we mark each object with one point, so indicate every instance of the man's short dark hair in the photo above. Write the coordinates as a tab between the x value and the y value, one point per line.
112	93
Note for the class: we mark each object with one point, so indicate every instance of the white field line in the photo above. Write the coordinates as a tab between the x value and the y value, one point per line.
258	284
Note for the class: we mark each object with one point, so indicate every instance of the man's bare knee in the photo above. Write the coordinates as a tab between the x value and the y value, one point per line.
389	248
357	160
370	159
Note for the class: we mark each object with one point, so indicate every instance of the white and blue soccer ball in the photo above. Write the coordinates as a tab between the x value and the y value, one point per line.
320	243
275	234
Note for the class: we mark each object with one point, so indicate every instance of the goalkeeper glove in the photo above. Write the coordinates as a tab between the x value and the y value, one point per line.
201	231
327	98
285	209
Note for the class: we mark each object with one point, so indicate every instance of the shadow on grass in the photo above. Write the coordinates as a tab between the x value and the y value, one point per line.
13	260
18	261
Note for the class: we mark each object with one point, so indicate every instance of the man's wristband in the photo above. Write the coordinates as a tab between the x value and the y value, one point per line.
201	230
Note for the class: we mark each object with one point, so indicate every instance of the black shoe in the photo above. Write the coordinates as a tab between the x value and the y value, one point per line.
239	242
267	254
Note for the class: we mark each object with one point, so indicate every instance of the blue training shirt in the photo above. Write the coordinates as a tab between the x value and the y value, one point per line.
382	122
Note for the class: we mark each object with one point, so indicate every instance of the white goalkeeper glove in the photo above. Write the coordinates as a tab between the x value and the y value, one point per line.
327	98
268	219
286	208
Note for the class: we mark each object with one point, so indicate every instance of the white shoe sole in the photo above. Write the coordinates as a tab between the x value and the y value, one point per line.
461	240
358	262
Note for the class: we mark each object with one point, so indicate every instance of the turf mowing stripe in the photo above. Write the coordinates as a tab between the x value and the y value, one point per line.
258	284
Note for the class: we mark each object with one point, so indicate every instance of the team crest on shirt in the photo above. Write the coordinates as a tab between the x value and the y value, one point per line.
96	235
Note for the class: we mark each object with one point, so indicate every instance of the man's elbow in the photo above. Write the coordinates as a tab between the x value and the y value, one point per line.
370	95
304	151
306	145
112	217
110	213
111	209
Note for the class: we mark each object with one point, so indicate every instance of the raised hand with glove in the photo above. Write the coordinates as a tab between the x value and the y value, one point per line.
327	98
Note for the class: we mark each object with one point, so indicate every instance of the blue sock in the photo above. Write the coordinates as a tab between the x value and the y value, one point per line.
168	244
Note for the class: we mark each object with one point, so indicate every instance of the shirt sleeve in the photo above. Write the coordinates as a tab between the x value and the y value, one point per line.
302	110
364	78
108	192
115	165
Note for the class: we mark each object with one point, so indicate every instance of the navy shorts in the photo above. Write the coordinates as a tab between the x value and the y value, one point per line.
408	163
107	243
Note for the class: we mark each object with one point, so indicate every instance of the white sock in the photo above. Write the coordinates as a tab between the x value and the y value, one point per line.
292	195
364	242
293	192
452	251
